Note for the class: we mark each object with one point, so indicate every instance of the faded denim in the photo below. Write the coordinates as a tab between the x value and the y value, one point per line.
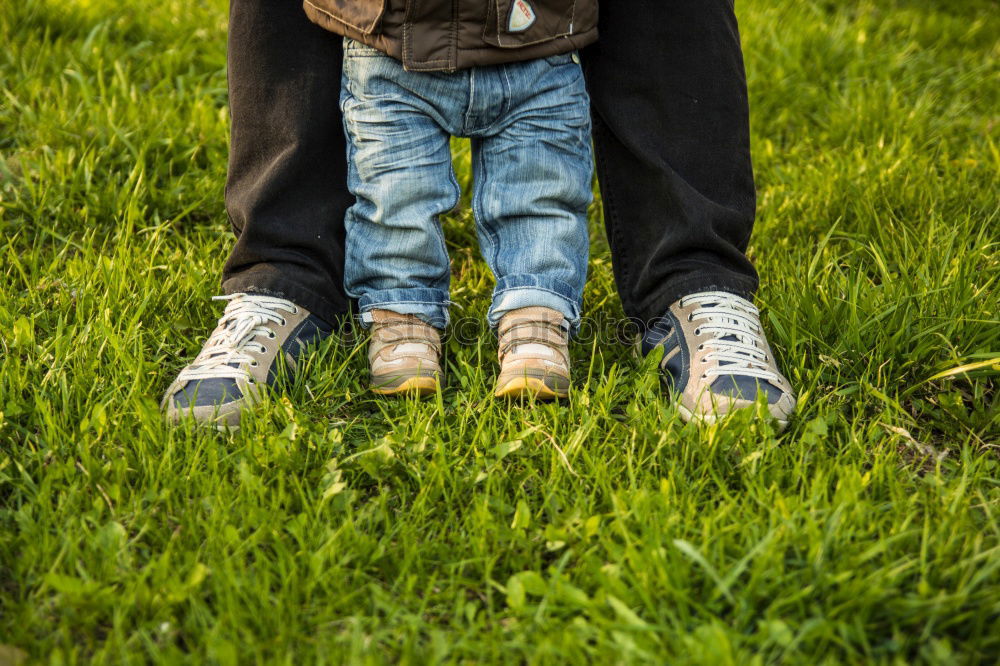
529	123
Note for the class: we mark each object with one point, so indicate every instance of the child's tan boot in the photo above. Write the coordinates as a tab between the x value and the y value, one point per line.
534	354
404	354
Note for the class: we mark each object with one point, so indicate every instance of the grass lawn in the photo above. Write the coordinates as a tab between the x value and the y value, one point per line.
337	527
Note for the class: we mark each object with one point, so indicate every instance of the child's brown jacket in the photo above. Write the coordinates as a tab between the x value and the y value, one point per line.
445	35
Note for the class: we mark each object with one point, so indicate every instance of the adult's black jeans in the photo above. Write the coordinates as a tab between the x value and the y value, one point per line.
671	132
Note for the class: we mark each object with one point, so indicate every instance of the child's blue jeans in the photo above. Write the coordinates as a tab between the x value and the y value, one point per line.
529	123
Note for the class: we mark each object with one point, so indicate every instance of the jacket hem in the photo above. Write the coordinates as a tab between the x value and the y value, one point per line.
464	58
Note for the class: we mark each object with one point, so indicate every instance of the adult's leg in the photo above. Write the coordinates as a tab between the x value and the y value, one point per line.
671	130
287	188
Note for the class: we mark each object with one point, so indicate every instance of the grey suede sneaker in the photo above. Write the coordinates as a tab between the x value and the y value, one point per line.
240	358
716	359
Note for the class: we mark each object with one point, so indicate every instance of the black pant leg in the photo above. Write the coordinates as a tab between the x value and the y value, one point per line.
671	129
286	192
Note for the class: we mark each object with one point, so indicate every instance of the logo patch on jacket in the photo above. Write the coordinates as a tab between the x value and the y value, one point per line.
521	16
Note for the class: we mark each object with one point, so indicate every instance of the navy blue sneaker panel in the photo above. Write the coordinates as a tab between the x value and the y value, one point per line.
667	333
312	329
208	392
742	387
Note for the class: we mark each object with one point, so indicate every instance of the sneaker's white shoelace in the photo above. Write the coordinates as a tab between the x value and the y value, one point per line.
224	355
727	315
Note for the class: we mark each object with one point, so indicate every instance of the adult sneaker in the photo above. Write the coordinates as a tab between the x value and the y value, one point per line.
716	359
404	354
240	358
534	354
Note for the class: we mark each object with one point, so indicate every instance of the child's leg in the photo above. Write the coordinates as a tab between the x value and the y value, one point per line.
532	189
533	185
400	171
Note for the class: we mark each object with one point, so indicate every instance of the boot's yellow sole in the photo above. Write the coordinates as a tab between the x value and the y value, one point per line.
421	386
524	387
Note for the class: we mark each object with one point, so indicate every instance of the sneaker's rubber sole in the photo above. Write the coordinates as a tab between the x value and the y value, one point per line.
224	418
420	386
527	387
687	415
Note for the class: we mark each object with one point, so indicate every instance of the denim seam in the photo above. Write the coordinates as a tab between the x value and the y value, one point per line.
467	116
442	304
507	101
478	211
347	87
439	229
349	214
545	289
356	49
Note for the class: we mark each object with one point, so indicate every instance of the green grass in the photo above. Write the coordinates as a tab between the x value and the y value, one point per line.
336	527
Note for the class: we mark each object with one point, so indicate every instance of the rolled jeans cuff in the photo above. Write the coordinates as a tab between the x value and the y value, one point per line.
527	290
428	305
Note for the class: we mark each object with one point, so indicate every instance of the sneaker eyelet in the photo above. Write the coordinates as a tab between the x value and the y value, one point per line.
272	335
697	332
283	322
691	317
254	364
701	347
295	310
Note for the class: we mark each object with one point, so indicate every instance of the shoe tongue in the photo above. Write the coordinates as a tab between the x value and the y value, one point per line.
734	338
383	316
412	348
729	338
532	348
537	312
534	314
